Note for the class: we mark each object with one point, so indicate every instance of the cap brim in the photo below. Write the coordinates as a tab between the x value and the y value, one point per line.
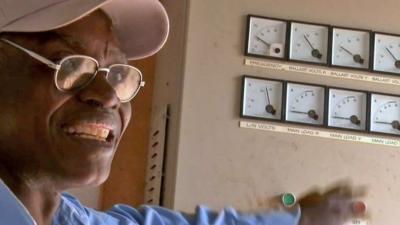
141	25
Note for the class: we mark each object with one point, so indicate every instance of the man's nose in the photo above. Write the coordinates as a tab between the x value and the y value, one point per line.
99	93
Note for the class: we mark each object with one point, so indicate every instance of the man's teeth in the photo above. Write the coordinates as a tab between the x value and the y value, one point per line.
88	131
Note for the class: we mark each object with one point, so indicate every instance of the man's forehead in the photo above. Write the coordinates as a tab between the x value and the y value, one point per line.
93	31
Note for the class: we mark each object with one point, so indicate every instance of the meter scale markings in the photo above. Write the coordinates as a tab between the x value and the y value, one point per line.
262	98
305	103
344	110
386	118
309	42
302	104
387	53
266	44
350	48
266	37
260	103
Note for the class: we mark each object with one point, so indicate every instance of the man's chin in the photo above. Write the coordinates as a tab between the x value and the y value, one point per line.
84	162
87	172
85	180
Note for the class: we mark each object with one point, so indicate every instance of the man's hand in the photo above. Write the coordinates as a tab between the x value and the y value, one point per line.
333	207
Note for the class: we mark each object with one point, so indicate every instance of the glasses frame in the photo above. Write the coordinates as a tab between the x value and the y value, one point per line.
57	66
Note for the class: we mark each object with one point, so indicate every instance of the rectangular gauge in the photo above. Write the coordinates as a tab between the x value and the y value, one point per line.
305	103
266	37
350	48
308	42
386	53
385	114
262	98
347	109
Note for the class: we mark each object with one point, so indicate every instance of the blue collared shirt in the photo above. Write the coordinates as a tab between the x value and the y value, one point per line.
72	212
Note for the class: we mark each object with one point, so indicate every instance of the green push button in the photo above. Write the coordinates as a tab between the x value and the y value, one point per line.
288	199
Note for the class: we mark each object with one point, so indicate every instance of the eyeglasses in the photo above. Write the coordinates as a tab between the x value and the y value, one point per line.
75	72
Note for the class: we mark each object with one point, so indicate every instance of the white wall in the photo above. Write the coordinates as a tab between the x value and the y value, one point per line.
210	159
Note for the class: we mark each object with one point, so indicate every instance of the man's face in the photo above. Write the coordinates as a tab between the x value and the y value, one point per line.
46	134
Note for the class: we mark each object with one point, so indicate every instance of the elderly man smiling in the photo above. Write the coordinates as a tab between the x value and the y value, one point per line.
65	88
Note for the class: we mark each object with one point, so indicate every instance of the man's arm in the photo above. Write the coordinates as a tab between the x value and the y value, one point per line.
154	215
332	207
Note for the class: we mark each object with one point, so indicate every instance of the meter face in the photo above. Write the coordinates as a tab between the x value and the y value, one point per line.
266	37
347	109
305	103
262	98
350	48
386	53
309	42
385	114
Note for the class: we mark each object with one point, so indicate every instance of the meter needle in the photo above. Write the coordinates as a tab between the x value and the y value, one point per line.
357	58
276	50
315	52
353	119
311	113
395	124
269	108
396	61
262	40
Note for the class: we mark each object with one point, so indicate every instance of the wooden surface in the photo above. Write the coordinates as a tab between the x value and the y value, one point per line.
127	177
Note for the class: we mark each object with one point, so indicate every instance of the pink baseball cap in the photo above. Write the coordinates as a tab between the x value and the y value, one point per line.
142	26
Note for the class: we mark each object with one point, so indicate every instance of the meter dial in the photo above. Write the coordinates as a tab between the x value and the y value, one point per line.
309	42
266	37
347	109
350	48
386	53
385	114
262	98
305	103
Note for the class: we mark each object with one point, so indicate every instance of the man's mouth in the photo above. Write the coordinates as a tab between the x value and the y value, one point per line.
94	131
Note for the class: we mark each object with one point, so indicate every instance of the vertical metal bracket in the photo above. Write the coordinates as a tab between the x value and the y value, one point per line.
155	159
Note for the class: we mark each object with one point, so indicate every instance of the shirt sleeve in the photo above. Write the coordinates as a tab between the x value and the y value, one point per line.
73	212
153	215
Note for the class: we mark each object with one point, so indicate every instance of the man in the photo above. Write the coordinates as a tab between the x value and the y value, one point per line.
65	90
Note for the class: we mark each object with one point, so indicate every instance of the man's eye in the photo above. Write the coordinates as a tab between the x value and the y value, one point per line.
118	77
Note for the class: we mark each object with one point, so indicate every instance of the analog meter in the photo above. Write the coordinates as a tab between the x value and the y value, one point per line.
386	53
305	103
309	42
350	48
266	37
347	109
385	114
262	98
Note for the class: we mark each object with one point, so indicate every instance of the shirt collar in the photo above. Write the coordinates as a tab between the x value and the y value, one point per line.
12	210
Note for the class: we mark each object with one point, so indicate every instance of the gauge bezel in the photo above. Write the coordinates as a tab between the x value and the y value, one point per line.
370	55
373	53
242	115
329	41
327	104
287	102
247	39
370	115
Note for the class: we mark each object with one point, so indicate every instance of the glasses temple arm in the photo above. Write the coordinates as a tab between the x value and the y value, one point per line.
33	54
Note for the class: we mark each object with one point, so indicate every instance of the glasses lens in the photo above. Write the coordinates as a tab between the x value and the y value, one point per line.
75	72
125	80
